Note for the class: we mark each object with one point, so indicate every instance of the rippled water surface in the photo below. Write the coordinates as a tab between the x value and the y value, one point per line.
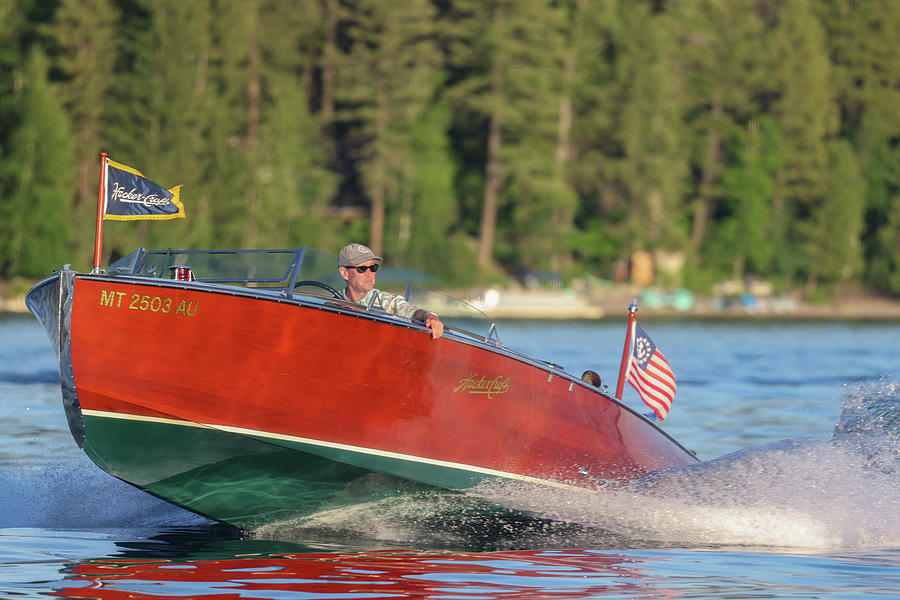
797	425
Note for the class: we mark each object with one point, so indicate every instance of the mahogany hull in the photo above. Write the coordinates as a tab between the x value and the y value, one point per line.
249	408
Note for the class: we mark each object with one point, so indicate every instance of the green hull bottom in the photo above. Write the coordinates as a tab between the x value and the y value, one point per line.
233	478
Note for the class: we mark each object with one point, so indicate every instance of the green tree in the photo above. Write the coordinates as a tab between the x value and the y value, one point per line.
554	134
37	172
721	50
13	28
235	82
653	167
83	37
426	217
265	146
593	167
163	114
884	273
291	182
833	236
329	52
806	117
881	166
563	217
11	25
388	77
748	187
865	58
511	56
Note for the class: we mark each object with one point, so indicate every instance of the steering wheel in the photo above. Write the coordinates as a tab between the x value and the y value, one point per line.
320	284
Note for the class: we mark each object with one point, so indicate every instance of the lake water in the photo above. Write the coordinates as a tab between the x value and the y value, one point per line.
797	424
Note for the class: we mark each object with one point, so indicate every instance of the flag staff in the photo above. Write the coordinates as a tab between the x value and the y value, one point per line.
101	195
632	311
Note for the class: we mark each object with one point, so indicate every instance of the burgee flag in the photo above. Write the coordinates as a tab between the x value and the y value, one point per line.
650	374
131	196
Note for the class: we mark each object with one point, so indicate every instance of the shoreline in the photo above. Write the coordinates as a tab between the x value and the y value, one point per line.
851	306
613	304
16	304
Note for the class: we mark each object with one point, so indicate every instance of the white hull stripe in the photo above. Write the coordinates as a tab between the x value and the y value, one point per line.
334	445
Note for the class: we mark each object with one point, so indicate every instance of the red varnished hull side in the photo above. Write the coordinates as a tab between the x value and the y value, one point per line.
286	369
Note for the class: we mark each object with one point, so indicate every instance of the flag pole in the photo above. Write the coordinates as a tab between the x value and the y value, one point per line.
632	311
101	195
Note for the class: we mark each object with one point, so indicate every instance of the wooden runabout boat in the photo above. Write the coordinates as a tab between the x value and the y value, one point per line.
241	386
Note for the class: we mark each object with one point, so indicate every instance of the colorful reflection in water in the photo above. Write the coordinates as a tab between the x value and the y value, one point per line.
371	574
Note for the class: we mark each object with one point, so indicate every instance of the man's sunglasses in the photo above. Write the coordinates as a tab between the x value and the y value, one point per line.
372	268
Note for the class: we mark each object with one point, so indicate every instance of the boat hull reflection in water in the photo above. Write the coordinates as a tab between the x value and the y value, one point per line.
552	574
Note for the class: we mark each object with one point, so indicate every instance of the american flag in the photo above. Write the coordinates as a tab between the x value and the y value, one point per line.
650	374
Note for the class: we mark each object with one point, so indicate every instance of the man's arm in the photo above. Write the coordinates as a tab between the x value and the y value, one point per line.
431	321
398	305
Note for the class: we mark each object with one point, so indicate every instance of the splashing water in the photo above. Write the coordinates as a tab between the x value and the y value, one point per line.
800	493
870	424
429	519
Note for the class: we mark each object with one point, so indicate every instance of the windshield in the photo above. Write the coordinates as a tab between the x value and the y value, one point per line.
302	272
251	268
457	315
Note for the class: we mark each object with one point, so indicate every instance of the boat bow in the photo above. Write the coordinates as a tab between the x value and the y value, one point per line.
50	301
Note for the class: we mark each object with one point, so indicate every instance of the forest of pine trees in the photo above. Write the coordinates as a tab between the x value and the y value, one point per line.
471	139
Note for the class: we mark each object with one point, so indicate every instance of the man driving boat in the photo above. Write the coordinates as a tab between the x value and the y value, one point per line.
357	265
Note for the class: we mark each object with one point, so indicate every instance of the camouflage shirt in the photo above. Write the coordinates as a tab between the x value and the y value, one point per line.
394	304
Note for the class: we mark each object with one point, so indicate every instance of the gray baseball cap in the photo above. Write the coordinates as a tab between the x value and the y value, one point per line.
354	254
